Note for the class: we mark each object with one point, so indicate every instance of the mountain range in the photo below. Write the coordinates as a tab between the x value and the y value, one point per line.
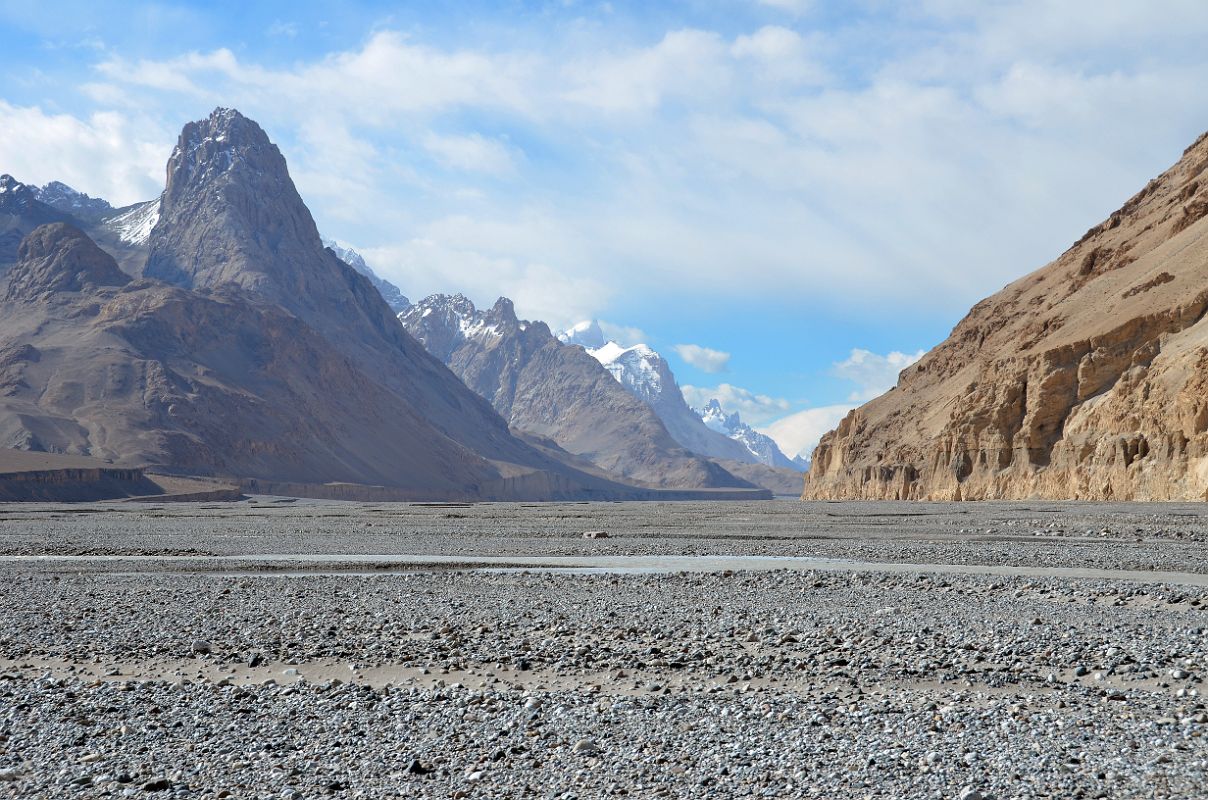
210	331
551	389
1087	378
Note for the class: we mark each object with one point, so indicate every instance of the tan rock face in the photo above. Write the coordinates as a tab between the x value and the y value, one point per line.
1086	379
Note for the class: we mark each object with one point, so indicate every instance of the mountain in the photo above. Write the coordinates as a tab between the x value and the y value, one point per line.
1085	379
586	334
128	229
94	362
545	387
122	232
66	199
390	293
648	376
760	446
20	212
245	348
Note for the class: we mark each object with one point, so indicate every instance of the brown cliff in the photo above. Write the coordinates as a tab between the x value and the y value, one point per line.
1086	379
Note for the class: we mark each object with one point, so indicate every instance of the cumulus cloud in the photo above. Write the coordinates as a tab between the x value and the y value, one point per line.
704	358
753	408
108	154
699	150
872	373
798	434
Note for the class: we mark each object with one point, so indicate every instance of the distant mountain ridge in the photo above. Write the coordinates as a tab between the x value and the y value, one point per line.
761	446
647	375
394	298
545	387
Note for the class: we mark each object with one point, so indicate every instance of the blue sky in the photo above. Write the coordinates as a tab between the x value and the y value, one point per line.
819	190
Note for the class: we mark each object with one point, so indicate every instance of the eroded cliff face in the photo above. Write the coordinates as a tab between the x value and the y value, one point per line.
1086	379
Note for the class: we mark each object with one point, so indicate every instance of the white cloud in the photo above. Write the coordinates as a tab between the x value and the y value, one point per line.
754	409
704	358
685	64
425	266
779	54
966	144
874	374
798	434
107	155
623	335
472	152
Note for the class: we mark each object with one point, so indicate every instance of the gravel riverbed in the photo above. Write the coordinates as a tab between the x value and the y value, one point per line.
135	673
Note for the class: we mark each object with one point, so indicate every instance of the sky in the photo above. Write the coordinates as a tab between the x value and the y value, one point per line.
790	199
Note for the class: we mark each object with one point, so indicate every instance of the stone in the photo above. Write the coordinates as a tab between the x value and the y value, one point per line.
586	747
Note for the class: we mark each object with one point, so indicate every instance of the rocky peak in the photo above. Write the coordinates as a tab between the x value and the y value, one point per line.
231	215
14	195
760	446
224	142
502	314
60	258
59	195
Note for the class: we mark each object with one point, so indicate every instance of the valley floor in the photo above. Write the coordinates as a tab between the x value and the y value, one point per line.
777	649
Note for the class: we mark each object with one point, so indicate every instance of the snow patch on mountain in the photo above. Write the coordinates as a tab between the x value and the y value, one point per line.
133	225
639	369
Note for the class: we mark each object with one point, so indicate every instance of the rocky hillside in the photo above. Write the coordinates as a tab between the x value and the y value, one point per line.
1086	379
559	391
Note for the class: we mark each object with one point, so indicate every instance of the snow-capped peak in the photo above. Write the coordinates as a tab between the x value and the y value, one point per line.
63	197
760	445
586	334
639	369
443	316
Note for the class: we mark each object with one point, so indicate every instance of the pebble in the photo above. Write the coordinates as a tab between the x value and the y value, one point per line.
747	684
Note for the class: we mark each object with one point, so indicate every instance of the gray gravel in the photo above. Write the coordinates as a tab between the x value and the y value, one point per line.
151	679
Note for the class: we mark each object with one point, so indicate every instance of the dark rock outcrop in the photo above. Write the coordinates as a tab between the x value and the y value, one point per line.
60	258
